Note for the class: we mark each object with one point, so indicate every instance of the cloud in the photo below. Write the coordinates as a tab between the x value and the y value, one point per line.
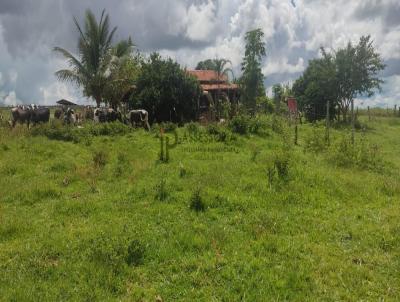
190	31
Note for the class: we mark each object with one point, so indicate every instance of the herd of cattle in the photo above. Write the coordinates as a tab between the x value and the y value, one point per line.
34	114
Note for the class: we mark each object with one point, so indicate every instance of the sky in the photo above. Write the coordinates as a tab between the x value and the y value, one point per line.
190	31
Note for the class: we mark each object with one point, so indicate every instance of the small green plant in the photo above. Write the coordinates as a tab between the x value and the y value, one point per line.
161	190
196	202
239	124
182	170
135	253
270	175
255	151
316	141
99	159
282	164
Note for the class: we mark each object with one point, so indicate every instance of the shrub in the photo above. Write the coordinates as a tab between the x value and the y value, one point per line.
168	126
361	154
100	159
316	141
282	163
196	202
255	125
219	133
239	124
192	128
135	253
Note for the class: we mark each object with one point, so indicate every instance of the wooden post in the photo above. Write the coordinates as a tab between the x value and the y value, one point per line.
395	110
327	122
352	122
296	134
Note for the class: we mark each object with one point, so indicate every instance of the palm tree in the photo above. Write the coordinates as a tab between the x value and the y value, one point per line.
96	53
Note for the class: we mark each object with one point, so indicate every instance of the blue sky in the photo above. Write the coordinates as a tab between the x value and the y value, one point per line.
190	31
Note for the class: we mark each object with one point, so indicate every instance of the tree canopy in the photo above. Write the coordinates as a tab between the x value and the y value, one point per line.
339	77
166	91
252	81
96	53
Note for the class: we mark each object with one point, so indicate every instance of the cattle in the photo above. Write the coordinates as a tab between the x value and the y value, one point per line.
105	115
20	114
70	117
139	117
40	115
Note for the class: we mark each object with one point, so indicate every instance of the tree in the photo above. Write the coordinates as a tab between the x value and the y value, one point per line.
166	91
339	77
252	81
91	68
277	91
317	87
357	72
124	72
208	64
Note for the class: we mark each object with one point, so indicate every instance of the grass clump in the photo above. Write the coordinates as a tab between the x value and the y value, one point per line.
135	253
196	202
316	141
161	190
100	159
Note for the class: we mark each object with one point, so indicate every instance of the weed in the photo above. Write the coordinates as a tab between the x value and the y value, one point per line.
182	170
100	159
161	190
239	124
196	202
136	252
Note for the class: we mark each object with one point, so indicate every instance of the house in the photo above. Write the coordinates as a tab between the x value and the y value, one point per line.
214	88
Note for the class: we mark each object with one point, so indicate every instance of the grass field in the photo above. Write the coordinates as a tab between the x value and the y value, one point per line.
229	218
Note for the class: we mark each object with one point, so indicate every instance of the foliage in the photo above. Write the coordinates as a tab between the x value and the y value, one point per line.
55	130
239	124
252	81
265	104
100	159
96	53
361	154
196	202
316	141
339	77
136	252
166	91
161	190
124	72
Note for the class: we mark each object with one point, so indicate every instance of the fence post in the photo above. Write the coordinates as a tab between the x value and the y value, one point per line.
296	134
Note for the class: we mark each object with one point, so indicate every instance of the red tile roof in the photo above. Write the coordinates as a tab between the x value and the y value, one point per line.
208	76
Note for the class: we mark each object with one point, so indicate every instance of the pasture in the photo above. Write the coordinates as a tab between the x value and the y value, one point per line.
230	217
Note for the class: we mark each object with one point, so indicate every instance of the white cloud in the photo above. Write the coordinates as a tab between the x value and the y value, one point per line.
201	21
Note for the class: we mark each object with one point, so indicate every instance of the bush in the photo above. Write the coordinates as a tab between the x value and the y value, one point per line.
196	202
316	141
361	154
282	163
255	125
239	124
192	128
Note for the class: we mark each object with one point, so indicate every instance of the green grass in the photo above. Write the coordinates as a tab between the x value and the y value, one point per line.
106	220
